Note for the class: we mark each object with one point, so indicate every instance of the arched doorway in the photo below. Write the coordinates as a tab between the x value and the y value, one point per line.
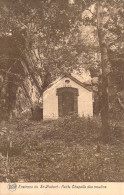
67	100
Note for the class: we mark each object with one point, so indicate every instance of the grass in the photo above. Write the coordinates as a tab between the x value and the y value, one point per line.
65	150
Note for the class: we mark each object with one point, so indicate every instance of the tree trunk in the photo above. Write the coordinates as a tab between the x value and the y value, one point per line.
4	104
104	67
26	62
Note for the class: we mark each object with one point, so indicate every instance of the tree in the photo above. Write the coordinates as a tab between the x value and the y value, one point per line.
36	35
107	18
49	35
104	67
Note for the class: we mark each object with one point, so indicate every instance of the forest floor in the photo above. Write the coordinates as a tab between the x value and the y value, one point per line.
58	152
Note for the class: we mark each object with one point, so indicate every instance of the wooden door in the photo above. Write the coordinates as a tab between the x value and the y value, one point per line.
67	103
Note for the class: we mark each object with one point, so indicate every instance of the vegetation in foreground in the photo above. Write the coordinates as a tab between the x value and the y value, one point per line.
69	149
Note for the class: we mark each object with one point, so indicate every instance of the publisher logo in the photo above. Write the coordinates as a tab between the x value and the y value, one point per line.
12	187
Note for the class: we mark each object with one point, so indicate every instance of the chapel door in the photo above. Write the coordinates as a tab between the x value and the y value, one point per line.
67	103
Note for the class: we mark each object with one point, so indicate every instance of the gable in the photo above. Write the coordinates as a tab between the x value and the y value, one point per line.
84	85
66	78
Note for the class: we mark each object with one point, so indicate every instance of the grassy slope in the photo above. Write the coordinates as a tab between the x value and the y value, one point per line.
60	151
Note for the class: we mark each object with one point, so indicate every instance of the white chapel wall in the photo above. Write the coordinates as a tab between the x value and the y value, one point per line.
50	100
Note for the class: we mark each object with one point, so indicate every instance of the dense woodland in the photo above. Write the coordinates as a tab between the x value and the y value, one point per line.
42	39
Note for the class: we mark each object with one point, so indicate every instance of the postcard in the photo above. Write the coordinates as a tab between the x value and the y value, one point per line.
61	97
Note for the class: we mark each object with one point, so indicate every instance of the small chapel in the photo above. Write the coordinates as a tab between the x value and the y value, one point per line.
67	94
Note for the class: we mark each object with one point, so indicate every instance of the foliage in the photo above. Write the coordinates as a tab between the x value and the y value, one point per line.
58	151
75	128
53	34
39	39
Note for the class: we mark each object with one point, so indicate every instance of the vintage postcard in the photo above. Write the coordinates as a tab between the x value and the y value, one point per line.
62	97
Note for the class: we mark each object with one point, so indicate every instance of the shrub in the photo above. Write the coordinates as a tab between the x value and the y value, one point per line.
74	128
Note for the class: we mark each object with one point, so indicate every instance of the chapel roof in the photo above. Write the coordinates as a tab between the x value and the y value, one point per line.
74	77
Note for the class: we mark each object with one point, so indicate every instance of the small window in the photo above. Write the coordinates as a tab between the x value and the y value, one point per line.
67	81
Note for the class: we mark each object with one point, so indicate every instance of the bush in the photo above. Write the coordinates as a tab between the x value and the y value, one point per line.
5	148
74	128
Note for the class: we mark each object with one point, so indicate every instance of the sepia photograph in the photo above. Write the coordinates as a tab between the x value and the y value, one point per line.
61	91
